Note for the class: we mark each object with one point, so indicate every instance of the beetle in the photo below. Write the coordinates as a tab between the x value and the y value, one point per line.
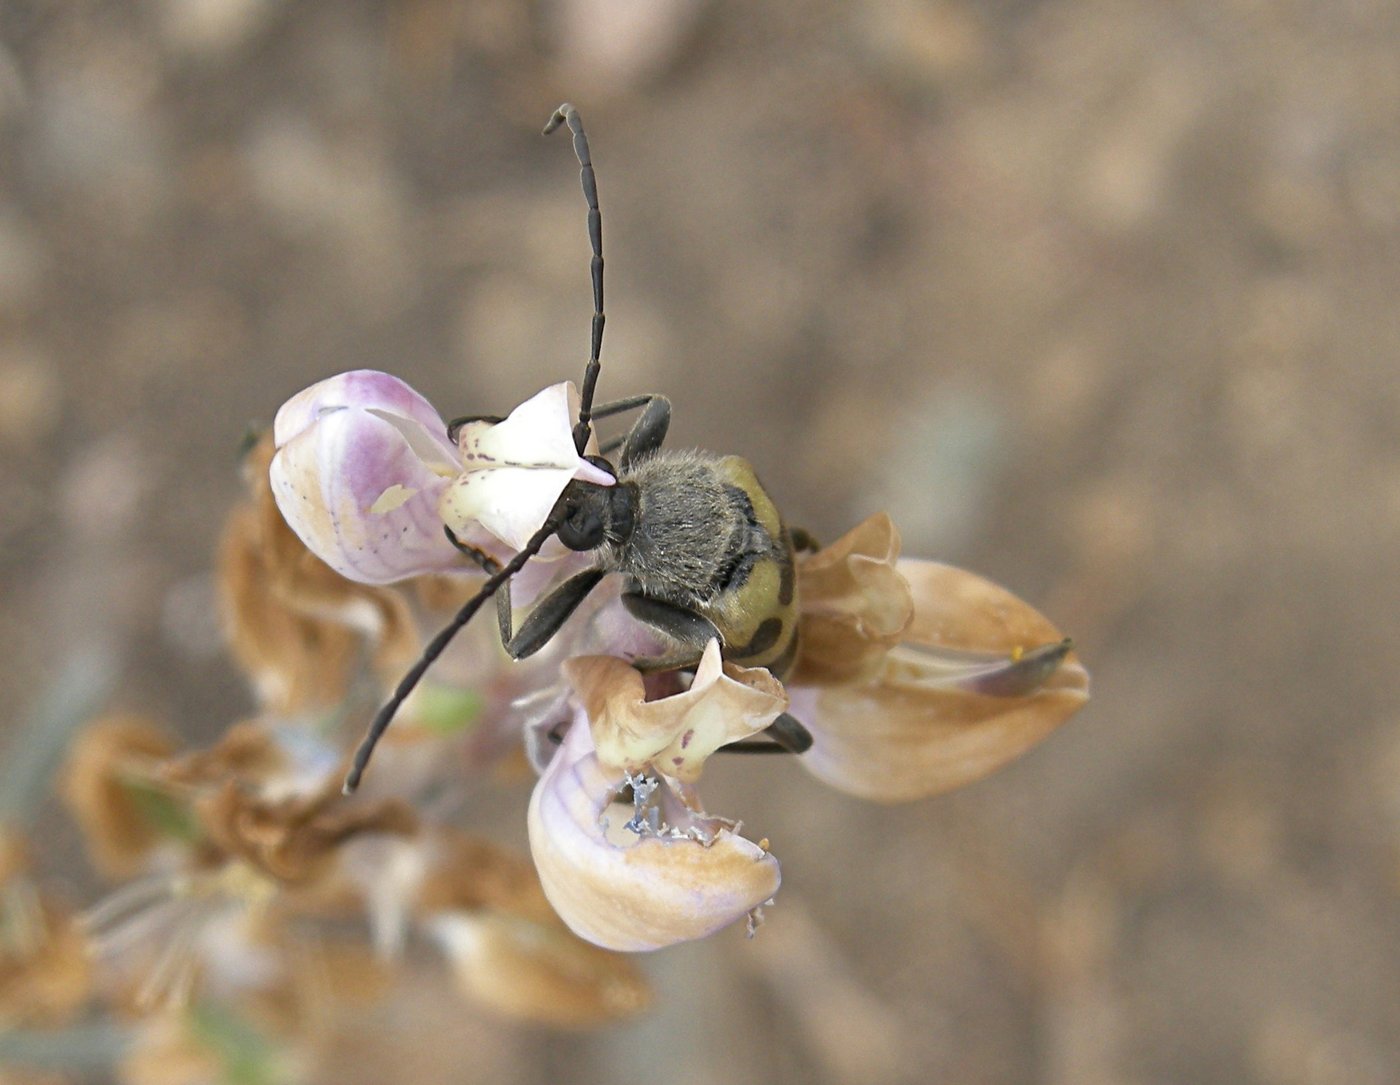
701	547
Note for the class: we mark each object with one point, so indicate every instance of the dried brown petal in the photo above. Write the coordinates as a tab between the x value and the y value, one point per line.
45	976
676	734
245	751
298	627
509	949
469	874
293	840
981	678
14	854
853	605
108	785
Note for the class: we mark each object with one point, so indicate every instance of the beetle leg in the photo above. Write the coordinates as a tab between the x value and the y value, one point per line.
690	631
489	565
647	432
803	540
551	613
787	733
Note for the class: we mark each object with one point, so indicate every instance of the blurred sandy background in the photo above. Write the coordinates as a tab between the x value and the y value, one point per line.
1097	297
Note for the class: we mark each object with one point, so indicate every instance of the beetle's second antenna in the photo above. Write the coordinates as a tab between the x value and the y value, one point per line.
567	114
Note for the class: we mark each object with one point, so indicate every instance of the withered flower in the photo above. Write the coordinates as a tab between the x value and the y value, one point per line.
916	677
108	784
509	950
299	629
44	973
672	872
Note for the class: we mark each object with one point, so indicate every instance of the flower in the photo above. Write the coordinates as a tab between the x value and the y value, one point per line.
916	677
673	872
366	476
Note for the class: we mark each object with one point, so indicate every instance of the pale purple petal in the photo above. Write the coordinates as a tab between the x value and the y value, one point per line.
360	497
369	390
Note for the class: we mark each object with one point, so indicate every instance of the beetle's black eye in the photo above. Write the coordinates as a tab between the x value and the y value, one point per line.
582	530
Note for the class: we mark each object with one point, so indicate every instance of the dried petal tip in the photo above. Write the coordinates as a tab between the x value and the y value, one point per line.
670	875
676	735
538	971
1021	673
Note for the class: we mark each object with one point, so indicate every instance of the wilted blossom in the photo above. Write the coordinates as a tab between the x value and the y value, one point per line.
670	872
916	677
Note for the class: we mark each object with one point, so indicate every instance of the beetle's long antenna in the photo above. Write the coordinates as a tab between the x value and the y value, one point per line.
566	113
435	647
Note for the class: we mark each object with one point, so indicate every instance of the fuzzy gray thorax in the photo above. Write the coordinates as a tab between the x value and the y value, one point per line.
691	526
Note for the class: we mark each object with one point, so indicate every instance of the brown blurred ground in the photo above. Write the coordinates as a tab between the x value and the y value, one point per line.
1097	297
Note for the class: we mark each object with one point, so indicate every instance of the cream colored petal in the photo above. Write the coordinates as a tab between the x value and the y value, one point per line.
983	678
628	892
537	433
509	502
676	734
516	469
853	605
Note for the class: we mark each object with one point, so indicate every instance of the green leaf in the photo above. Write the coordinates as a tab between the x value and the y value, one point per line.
447	711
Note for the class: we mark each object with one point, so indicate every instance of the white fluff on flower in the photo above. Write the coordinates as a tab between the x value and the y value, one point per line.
513	471
366	477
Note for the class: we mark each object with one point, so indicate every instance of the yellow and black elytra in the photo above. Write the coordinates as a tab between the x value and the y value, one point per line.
699	544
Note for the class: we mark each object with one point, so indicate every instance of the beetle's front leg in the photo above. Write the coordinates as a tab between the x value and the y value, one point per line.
504	618
647	432
551	613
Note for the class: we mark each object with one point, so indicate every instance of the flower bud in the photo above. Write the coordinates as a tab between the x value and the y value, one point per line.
969	679
362	461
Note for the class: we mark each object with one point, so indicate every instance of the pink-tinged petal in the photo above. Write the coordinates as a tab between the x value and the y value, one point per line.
632	891
370	390
980	678
673	735
357	492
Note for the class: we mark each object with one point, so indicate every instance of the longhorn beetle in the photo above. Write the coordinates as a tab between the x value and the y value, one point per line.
699	543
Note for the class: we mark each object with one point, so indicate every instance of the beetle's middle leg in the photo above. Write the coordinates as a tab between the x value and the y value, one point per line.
692	632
